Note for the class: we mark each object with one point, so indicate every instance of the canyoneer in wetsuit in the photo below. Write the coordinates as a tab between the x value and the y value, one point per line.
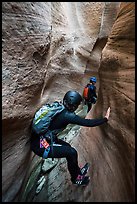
91	97
71	101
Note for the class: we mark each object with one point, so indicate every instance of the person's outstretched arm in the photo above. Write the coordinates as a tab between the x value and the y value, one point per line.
75	119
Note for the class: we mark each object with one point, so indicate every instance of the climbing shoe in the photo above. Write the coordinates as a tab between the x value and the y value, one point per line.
84	169
81	180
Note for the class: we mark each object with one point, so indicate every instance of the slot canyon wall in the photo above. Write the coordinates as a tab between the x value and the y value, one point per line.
49	48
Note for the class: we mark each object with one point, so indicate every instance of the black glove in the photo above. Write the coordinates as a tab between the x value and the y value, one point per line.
94	100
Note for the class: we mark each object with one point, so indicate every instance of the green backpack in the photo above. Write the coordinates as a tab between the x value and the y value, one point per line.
44	116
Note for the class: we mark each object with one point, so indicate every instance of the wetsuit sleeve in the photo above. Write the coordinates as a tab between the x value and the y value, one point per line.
95	93
75	119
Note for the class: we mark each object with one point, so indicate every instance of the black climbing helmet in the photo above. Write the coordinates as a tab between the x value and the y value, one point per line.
72	100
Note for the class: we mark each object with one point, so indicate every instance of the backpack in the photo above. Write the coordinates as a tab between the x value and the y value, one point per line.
89	92
86	92
44	116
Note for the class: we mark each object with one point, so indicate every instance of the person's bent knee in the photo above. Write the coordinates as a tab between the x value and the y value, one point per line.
73	152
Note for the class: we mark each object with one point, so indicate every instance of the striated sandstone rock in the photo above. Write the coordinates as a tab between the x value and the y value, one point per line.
22	79
112	148
48	48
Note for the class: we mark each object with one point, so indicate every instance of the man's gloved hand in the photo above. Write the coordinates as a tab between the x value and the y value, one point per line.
107	113
94	99
48	138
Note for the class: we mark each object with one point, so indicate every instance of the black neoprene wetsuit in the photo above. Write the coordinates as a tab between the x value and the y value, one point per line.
67	117
60	147
91	95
